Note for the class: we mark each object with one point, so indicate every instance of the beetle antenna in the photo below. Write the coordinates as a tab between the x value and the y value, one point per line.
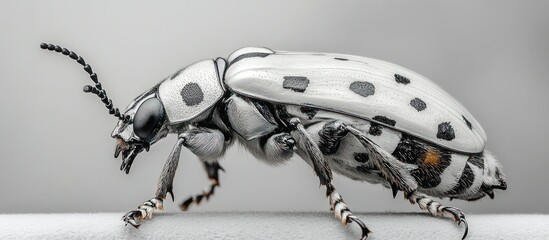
97	89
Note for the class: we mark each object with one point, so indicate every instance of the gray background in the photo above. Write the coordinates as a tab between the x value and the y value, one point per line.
56	150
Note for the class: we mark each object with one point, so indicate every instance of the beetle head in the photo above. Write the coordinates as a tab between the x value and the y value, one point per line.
148	124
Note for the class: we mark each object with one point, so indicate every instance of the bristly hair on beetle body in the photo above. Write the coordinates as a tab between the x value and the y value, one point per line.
97	89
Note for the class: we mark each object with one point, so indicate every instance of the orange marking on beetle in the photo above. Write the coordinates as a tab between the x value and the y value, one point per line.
431	157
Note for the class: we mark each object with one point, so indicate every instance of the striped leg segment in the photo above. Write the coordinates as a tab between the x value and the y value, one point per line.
143	212
439	210
164	187
342	211
324	173
213	174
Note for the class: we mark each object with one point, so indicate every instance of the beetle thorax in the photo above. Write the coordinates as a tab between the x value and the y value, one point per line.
192	91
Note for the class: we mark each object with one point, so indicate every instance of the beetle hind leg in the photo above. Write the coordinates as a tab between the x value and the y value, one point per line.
342	211
212	169
439	210
324	173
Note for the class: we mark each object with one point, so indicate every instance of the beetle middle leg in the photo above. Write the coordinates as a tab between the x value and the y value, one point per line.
209	145
322	169
212	169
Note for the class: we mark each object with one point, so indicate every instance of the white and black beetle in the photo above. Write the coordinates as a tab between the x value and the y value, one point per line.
363	118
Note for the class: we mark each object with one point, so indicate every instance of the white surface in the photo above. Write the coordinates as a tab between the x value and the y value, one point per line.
268	225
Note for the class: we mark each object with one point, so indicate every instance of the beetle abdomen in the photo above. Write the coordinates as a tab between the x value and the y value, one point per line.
439	172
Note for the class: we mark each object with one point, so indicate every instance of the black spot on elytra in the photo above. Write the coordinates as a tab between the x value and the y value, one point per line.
418	104
192	94
341	59
465	181
445	131
361	157
386	120
296	83
309	111
401	79
477	160
375	129
249	55
362	88
467	122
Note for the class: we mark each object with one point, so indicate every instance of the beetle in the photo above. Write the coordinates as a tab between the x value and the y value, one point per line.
363	118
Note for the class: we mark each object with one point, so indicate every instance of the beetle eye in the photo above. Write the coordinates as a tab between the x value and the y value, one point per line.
147	119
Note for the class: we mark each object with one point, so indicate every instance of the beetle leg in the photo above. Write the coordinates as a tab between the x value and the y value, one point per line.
342	211
164	186
278	148
143	212
331	135
212	169
439	210
397	172
322	169
208	144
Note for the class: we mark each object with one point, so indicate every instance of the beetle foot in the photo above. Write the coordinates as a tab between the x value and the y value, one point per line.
206	194
143	212
459	217
342	211
133	218
439	210
212	169
365	230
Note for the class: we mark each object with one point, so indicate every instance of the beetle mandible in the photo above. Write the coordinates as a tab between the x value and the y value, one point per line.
363	118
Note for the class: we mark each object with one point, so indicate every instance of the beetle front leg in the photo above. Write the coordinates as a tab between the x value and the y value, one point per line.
164	186
142	212
207	144
322	169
